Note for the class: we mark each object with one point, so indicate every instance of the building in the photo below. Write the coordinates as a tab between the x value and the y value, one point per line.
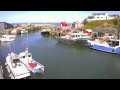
76	25
4	25
100	16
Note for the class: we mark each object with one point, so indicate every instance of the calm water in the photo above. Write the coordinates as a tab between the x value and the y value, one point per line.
63	61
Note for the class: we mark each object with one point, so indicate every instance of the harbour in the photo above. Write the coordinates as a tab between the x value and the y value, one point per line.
54	47
64	61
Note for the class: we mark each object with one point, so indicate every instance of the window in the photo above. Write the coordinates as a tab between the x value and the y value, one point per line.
73	35
23	56
29	55
116	43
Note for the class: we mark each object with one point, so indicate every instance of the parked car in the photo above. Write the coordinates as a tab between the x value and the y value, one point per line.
99	34
111	36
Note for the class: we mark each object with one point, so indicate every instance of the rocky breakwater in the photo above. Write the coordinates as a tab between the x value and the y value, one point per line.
31	27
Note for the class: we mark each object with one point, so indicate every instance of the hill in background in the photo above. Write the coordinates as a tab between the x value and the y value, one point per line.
101	24
105	26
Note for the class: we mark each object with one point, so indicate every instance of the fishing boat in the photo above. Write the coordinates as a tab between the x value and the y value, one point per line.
23	31
7	38
45	31
75	37
30	63
111	45
15	67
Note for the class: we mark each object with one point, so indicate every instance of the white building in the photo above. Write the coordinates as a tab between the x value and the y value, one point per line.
76	25
100	16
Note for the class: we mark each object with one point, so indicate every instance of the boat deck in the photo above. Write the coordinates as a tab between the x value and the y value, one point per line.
11	75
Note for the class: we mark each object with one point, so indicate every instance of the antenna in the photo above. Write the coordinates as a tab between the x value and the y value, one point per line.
10	48
14	46
27	42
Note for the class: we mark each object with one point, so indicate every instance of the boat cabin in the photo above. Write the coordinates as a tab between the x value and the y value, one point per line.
7	37
76	34
113	43
14	60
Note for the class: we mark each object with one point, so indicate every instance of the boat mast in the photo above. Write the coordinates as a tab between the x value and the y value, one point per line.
27	42
14	46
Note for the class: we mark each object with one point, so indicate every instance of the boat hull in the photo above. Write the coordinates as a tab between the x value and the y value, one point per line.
67	41
22	32
70	41
45	32
38	70
104	48
18	71
6	40
83	41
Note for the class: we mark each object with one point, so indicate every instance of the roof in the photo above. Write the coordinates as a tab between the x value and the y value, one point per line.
99	13
2	22
114	15
14	56
67	27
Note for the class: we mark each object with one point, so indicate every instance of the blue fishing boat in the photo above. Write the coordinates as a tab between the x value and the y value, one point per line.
111	45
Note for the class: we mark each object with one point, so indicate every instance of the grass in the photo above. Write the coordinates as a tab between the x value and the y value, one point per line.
101	24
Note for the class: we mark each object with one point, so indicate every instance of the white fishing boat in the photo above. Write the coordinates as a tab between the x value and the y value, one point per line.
75	37
29	62
24	31
45	31
7	38
15	67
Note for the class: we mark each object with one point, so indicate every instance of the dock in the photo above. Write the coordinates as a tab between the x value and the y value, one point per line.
1	71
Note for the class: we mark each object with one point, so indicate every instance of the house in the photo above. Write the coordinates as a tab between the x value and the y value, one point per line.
76	25
4	25
100	16
64	26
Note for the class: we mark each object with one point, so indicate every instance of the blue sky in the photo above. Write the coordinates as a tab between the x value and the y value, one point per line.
46	16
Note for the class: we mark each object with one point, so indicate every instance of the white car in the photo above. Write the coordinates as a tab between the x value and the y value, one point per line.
111	36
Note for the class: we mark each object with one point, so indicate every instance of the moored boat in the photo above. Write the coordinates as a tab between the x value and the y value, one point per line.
30	63
75	38
24	31
45	31
111	45
15	67
7	38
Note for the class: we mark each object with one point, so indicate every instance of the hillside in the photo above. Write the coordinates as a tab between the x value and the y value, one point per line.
101	24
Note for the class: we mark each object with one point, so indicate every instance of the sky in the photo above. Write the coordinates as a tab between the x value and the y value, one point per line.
46	16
